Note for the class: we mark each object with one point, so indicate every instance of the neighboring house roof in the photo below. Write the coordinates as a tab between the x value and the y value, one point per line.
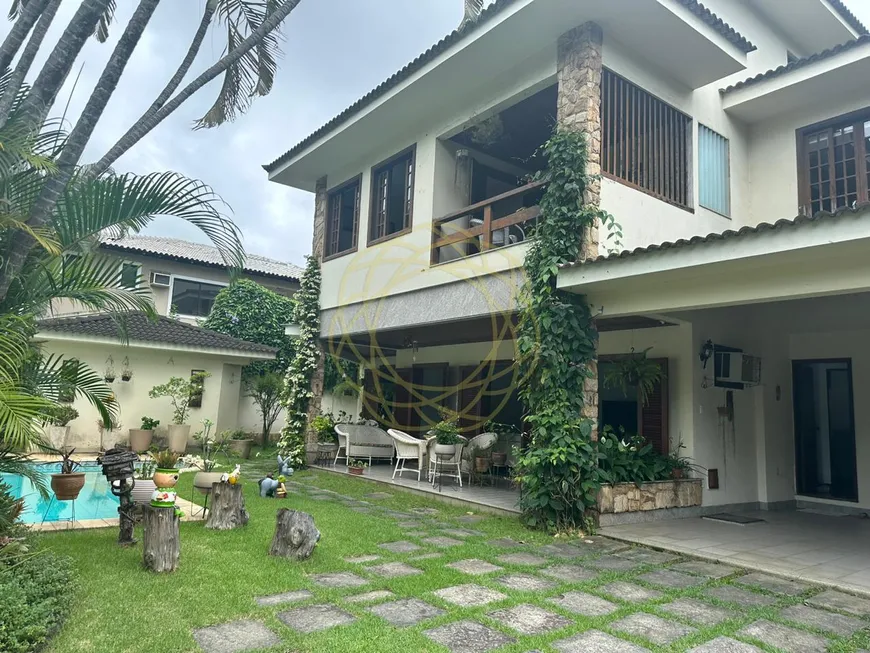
139	328
800	63
454	37
848	16
730	234
184	250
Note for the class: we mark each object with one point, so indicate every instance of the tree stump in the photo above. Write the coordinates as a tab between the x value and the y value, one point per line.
161	543
295	535
227	509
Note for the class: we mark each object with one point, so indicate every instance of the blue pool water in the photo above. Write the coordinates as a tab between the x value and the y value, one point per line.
96	500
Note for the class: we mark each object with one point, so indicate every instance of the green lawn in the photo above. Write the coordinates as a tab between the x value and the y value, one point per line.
125	609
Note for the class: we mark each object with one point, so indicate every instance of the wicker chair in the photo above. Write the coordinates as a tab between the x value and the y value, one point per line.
407	448
361	441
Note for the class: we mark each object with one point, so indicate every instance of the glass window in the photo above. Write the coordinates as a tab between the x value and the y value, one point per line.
343	218
193	297
129	275
714	171
392	196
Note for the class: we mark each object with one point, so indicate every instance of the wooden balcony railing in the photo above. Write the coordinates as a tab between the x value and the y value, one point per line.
505	219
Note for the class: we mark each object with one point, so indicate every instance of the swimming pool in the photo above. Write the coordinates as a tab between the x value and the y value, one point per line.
96	500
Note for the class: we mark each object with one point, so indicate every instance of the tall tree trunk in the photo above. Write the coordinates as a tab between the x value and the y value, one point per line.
150	120
26	60
54	185
20	29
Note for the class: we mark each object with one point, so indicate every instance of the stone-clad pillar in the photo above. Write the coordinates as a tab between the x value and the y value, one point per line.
579	108
321	198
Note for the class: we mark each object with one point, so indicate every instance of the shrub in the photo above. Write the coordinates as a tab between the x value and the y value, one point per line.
62	415
324	424
149	423
631	459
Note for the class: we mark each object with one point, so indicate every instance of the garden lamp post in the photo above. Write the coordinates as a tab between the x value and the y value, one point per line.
117	466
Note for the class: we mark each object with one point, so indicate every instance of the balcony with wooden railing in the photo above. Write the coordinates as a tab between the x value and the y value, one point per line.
500	221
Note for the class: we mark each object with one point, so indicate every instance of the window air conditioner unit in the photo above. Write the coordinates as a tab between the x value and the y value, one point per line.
160	279
734	368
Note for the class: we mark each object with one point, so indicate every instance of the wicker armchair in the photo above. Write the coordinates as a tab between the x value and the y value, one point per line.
407	448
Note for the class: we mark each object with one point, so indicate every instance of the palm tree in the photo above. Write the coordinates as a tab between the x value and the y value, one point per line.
473	8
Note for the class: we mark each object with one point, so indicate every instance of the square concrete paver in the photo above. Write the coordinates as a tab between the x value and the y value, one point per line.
648	556
468	637
725	645
443	542
671	579
358	560
287	597
784	638
462	532
406	612
469	596
313	618
630	592
741	597
706	569
774	584
525	583
524	559
570	573
830	622
377	595
394	570
613	563
402	546
655	629
338	580
598	544
411	524
834	600
530	619
235	636
586	604
475	567
505	543
699	612
597	642
565	551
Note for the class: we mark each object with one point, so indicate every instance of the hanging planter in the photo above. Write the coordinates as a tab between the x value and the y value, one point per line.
126	373
109	375
635	370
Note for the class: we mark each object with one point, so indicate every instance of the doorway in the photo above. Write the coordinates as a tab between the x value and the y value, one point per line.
824	419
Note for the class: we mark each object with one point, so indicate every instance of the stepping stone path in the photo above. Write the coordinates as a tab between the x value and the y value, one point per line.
524	559
743	598
648	557
428	556
379	495
597	544
286	597
570	573
469	596
402	546
424	511
698	612
830	622
470	519
561	551
525	583
443	542
377	595
613	563
707	569
362	559
468	637
475	567
505	543
597	642
784	638
631	593
725	645
462	532
530	619
774	584
585	604
415	525
834	600
394	570
655	629
407	612
314	618
671	579
339	580
235	636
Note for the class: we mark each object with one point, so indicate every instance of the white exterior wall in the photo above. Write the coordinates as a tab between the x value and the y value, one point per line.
250	420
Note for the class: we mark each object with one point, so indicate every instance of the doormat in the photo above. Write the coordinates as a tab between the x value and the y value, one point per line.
733	519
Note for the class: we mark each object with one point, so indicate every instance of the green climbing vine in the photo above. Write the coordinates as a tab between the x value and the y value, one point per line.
297	382
556	342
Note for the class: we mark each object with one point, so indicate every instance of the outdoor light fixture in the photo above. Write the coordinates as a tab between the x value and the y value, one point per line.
117	467
706	353
292	330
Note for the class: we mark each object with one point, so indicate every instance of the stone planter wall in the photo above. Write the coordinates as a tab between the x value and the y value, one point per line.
661	495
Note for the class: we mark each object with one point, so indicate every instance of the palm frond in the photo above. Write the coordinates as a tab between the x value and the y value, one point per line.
15	9
473	8
21	414
15	347
101	33
57	376
15	462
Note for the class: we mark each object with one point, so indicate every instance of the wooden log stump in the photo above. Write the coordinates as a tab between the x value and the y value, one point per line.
161	542
227	510
295	535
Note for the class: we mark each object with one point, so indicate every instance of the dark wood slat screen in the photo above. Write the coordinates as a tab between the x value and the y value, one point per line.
654	416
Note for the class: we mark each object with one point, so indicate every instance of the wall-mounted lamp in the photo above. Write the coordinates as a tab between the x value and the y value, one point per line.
706	353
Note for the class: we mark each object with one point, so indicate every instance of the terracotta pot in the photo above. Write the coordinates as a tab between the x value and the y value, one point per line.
140	439
165	477
204	480
499	458
677	474
178	434
142	490
241	447
67	486
445	450
356	471
481	465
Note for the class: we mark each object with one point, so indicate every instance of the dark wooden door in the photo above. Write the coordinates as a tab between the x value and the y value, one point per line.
653	419
841	431
806	428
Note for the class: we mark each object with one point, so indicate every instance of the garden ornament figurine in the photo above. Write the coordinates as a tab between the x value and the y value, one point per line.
233	477
284	468
268	486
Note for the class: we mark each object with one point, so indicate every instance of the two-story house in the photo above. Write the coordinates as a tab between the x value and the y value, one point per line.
732	140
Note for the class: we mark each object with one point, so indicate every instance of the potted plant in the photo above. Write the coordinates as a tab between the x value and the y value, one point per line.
165	476
680	466
356	467
59	419
109	375
68	483
504	432
240	444
126	373
144	486
446	434
140	439
635	371
206	476
108	434
180	391
324	426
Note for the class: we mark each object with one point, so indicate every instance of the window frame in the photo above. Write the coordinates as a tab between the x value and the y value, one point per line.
410	152
139	275
862	166
727	170
335	191
184	277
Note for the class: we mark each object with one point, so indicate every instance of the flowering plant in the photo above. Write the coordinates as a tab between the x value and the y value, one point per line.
210	448
200	463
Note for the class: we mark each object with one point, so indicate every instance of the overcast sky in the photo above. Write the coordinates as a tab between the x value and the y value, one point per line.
335	51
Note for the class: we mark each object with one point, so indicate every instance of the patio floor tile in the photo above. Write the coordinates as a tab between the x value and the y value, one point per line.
406	612
468	596
725	645
741	597
706	569
525	583
671	579
313	618
530	619
475	567
630	593
595	640
655	629
784	638
524	559
286	597
468	637
586	604
570	573
394	570
698	612
830	622
402	546
834	600
774	584
235	636
338	580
